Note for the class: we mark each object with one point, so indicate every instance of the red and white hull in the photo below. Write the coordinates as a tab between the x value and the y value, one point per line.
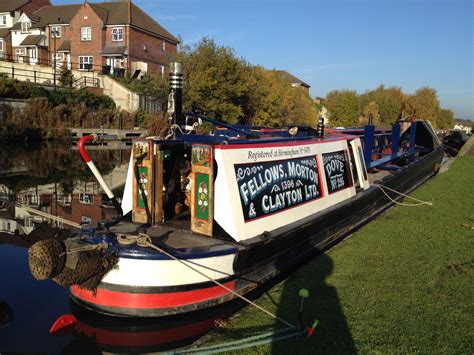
143	287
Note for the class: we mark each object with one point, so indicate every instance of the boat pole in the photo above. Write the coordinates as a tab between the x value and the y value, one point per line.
82	150
176	95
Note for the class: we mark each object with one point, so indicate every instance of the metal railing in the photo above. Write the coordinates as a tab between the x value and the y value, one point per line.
45	78
50	62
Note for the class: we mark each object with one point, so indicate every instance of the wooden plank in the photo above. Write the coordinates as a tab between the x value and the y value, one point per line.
143	189
202	197
159	207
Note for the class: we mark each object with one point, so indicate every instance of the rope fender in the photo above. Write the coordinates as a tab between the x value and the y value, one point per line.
70	263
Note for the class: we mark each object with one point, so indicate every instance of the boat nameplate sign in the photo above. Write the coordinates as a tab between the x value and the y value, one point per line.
337	170
269	187
261	187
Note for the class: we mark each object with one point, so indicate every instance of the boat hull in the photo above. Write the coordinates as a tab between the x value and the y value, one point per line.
261	259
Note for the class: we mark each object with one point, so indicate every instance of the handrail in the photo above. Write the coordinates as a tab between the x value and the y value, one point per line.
219	123
85	156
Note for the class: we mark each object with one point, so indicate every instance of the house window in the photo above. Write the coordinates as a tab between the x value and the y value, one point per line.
3	20
56	32
162	70
86	220
1	45
86	34
19	51
33	53
57	58
117	34
86	198
25	27
163	45
86	62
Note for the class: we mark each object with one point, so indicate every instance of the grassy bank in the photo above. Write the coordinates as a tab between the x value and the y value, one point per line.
403	283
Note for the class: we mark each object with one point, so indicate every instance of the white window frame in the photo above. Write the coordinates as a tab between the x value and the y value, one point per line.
1	45
59	59
86	220
57	29
163	45
19	51
3	20
26	27
81	61
86	198
117	34
86	33
162	70
33	50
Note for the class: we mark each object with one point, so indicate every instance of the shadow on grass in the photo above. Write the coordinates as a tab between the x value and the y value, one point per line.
332	334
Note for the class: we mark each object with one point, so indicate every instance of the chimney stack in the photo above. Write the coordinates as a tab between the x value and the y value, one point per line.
176	95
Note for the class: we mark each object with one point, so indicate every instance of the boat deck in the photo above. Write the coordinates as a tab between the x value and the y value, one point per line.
171	235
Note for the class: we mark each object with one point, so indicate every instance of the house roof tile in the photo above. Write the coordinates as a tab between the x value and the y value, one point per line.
65	46
4	32
114	50
32	40
117	13
111	13
12	5
291	78
53	15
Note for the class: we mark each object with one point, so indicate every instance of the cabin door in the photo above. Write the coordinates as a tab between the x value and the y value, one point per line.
358	160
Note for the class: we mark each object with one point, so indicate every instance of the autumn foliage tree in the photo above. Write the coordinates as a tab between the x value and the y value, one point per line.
389	102
371	109
223	86
343	107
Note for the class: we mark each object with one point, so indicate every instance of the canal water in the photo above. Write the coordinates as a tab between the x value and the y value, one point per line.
52	178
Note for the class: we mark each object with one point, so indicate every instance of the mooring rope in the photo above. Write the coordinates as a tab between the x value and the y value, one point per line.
144	240
419	202
243	343
48	215
87	247
447	146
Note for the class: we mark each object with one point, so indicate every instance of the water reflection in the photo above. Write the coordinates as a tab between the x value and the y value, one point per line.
53	179
115	334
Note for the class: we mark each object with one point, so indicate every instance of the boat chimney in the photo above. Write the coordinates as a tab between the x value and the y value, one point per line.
320	127
175	104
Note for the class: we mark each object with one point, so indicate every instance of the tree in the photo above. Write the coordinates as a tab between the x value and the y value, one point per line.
222	86
153	85
343	107
445	119
215	81
389	100
65	76
424	104
372	109
280	104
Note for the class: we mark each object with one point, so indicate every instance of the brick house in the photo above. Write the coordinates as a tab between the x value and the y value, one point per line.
293	80
112	36
10	12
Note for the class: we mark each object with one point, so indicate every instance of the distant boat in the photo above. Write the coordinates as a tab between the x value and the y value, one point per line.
230	211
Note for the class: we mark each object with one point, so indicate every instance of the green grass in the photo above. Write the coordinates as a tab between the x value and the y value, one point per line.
404	283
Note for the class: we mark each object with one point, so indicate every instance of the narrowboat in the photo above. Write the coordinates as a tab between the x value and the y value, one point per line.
214	216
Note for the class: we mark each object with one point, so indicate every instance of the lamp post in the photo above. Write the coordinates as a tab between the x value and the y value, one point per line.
54	34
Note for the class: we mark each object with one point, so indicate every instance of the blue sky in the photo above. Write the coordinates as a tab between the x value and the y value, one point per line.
340	44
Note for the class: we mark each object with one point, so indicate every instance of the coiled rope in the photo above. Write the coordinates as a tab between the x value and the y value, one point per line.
144	240
419	202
